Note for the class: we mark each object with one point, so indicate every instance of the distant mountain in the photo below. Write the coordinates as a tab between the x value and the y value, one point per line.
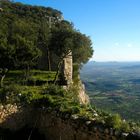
132	67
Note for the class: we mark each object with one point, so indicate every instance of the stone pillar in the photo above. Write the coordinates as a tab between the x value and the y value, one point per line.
67	69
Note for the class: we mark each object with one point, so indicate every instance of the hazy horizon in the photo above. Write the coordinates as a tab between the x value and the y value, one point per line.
114	61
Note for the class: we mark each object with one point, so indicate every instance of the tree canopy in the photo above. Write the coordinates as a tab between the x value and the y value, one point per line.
28	31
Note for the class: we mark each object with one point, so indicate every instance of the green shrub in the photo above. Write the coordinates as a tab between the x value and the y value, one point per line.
10	94
125	127
75	73
38	77
72	93
53	90
42	100
69	107
114	121
17	94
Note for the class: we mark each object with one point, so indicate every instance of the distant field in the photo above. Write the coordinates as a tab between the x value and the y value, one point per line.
114	87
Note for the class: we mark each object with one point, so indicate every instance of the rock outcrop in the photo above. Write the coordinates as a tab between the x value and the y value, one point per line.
15	117
67	69
56	125
83	97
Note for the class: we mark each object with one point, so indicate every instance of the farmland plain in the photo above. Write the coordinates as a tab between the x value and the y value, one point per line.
114	87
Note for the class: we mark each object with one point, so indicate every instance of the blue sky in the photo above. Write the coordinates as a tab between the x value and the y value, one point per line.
113	25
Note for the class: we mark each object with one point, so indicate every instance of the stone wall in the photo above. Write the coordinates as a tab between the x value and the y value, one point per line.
67	68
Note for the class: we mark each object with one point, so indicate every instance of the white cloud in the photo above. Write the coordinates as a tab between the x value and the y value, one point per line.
129	45
124	45
116	44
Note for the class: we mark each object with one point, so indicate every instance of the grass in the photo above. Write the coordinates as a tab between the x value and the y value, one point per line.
35	77
43	75
54	97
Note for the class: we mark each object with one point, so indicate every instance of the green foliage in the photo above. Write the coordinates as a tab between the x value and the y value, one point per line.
65	102
10	94
62	40
44	36
53	90
125	126
66	39
38	77
34	36
26	53
82	49
26	33
76	73
6	54
114	121
24	25
35	13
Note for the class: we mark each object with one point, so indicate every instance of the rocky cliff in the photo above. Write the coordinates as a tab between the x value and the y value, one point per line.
52	124
82	96
55	125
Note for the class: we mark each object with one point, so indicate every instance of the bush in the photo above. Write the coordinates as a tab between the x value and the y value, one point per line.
69	107
16	94
75	73
114	121
53	90
10	94
39	77
72	93
125	127
42	100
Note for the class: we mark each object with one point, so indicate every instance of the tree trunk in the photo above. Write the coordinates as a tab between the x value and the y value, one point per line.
49	61
57	73
27	70
4	71
1	81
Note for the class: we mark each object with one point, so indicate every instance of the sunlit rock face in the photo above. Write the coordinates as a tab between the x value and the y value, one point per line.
67	69
83	97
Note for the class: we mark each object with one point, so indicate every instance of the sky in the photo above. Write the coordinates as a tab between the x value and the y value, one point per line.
113	25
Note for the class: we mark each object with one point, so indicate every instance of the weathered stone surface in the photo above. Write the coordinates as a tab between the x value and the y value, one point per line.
67	68
15	117
82	96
